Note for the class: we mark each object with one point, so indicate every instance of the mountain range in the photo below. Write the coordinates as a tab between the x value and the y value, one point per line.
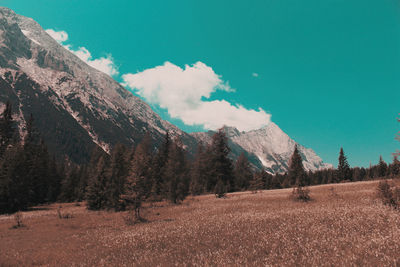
77	107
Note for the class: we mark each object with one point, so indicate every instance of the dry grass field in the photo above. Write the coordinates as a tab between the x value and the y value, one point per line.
343	226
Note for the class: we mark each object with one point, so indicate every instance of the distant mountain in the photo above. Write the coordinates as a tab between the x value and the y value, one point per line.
269	148
77	107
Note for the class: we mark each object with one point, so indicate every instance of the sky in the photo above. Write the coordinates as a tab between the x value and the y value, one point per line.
326	72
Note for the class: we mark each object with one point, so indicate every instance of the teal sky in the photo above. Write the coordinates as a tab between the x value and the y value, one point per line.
328	71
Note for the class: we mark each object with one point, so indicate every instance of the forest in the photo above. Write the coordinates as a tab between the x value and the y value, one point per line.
129	176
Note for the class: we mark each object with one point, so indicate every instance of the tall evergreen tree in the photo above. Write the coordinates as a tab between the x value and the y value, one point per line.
54	186
343	170
256	183
199	171
382	167
137	187
7	129
297	175
36	164
160	160
70	184
14	187
117	173
395	167
96	192
222	167
176	184
242	172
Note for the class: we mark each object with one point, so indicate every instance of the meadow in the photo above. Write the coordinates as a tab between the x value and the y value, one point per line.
344	224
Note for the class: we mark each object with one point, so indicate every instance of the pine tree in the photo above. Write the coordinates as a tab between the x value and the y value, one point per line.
117	173
395	167
137	188
54	181
257	183
14	187
382	167
176	184
343	170
297	175
160	160
96	192
199	171
242	172
7	129
221	168
70	184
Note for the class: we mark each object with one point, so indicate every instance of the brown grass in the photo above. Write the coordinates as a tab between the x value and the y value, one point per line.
343	226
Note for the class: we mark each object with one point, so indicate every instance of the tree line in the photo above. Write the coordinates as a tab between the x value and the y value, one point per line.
129	176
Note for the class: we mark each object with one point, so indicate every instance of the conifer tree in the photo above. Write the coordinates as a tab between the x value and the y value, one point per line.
7	129
14	187
70	184
199	171
160	160
382	167
395	167
256	183
96	192
222	167
82	184
343	171
117	173
297	175
242	172
176	184
137	188
54	186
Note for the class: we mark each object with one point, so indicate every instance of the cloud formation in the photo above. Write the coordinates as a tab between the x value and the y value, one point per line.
103	64
184	93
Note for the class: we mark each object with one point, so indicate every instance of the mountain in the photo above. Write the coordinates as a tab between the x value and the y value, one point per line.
77	107
269	148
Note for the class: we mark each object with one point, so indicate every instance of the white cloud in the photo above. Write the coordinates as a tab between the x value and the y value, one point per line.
183	92
60	36
103	64
254	74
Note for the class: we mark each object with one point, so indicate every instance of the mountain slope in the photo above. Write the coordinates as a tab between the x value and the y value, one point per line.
69	97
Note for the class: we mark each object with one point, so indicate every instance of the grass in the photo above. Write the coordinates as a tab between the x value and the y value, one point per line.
344	225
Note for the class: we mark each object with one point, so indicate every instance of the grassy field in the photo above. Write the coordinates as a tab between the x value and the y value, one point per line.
344	225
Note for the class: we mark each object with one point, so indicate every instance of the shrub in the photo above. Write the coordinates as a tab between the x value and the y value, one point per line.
18	220
132	217
63	215
301	194
220	189
389	194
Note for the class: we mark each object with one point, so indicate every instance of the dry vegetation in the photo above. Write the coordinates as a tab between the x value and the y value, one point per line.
343	225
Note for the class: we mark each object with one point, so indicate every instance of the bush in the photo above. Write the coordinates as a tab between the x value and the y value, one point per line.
131	217
18	220
220	189
301	194
63	215
389	194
